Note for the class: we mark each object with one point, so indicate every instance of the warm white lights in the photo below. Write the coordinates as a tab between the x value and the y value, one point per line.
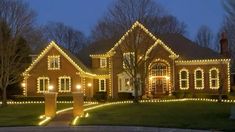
78	87
23	85
51	87
89	84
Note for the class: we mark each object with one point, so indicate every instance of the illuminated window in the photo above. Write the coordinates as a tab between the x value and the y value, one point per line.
128	60
43	83
53	62
103	62
102	85
199	79
159	69
64	84
214	78
184	79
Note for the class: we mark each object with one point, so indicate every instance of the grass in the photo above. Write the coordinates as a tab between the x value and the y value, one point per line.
194	115
24	114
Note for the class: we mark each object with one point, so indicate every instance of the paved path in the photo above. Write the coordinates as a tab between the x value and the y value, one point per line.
95	129
62	119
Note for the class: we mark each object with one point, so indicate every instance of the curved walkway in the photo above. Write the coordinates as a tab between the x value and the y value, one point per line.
62	119
96	129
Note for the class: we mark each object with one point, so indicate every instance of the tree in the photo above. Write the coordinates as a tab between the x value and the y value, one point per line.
13	54
229	25
123	13
66	36
204	37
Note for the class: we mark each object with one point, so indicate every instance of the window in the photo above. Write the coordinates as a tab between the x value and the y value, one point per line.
199	79
103	62
128	60
184	79
159	69
64	84
53	62
214	78
42	85
102	85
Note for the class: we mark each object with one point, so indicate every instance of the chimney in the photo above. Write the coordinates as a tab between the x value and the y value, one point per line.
224	45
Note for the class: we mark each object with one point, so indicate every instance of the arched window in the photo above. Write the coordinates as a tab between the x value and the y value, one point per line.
184	79
199	78
214	78
159	69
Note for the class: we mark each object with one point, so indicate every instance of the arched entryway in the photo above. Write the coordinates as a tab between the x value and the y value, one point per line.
159	78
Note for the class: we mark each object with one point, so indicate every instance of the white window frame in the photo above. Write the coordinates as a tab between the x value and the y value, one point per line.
127	56
101	62
44	88
198	79
69	85
100	90
187	79
217	78
51	66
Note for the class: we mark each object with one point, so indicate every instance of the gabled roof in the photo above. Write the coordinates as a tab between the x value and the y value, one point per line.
175	43
71	58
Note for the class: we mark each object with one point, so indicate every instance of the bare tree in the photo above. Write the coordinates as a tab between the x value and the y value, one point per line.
123	13
229	25
13	52
204	37
66	36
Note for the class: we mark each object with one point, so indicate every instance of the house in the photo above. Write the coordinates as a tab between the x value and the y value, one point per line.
173	62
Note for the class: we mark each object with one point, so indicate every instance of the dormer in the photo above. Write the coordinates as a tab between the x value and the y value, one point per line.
99	61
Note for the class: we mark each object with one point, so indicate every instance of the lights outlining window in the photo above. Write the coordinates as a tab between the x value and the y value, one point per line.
128	60
102	85
103	62
65	84
54	62
184	79
42	84
199	78
214	78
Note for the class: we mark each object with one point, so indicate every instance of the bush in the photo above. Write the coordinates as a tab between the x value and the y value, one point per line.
100	96
182	94
125	96
39	98
185	94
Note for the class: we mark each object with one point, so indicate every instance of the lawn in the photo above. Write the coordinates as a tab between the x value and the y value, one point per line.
195	115
24	114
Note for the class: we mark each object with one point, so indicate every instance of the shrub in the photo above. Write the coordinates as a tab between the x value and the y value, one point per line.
125	96
39	98
100	96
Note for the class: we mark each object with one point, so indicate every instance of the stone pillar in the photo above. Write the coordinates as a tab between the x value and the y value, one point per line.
78	104
50	104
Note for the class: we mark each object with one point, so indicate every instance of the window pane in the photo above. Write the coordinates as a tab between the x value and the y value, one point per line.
199	83
102	84
183	84
183	75
198	74
41	85
46	84
62	83
67	84
213	74
214	83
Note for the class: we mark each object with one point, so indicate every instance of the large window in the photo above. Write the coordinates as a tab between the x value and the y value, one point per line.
214	78
199	79
42	84
53	62
103	62
64	84
128	60
102	85
184	79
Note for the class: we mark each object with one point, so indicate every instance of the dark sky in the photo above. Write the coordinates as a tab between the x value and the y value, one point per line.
83	14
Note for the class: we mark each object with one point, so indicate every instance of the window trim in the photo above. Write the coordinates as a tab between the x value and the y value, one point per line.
100	90
198	79
49	58
187	79
105	62
64	77
217	78
38	84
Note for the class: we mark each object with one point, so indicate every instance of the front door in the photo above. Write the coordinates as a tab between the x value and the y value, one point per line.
158	85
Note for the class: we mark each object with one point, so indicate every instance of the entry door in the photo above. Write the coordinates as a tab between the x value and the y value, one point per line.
158	85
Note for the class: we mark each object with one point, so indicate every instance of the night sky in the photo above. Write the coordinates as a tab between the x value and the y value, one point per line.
83	14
